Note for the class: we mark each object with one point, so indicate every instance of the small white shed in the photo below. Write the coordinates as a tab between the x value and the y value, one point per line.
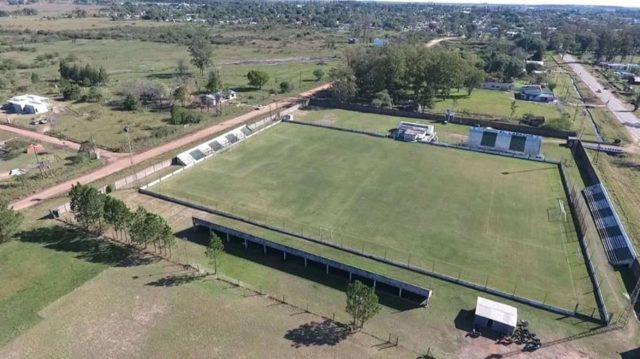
496	316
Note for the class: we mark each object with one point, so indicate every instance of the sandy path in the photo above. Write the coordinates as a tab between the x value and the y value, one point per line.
619	109
125	162
435	42
40	137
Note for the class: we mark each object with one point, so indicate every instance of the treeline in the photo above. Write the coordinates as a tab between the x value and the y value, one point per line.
86	75
22	12
405	74
94	210
604	41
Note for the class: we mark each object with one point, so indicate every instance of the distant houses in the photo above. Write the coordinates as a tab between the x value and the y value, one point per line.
218	98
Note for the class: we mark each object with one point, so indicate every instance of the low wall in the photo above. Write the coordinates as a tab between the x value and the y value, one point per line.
580	156
468	121
132	180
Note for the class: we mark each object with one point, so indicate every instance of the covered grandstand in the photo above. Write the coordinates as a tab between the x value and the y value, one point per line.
198	153
615	240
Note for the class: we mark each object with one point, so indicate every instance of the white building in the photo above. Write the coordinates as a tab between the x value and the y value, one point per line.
495	316
505	141
414	132
28	104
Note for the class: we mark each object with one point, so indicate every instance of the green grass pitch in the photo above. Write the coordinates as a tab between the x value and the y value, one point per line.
482	217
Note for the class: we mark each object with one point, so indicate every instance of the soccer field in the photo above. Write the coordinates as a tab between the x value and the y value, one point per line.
485	218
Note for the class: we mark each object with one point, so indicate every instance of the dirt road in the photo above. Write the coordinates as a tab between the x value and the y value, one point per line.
41	137
435	42
619	109
125	162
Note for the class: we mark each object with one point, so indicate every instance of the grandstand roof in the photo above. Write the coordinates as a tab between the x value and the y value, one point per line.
615	240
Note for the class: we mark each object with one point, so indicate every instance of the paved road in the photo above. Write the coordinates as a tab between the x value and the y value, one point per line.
123	163
619	109
41	137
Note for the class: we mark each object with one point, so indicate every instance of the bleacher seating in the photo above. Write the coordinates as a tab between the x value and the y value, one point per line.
618	247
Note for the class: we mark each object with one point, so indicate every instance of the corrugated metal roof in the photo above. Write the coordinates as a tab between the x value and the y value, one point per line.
497	312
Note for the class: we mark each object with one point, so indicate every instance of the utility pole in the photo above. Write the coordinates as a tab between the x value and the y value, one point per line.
127	129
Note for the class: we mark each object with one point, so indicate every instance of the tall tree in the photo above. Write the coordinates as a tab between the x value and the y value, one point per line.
257	78
213	250
117	214
201	52
137	229
87	204
10	221
362	303
214	81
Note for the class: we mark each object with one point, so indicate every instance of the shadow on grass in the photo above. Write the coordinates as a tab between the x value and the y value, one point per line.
295	266
174	280
317	334
86	246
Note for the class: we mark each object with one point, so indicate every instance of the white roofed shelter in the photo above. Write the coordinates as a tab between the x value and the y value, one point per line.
28	104
496	316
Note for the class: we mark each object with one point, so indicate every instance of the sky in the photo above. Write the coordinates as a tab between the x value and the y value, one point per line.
628	3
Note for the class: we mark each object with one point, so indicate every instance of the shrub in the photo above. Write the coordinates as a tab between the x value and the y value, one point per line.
130	103
182	116
286	86
71	92
319	74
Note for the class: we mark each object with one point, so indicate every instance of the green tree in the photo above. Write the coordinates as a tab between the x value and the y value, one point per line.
257	78
514	108
131	103
382	99
214	81
344	89
117	214
213	250
362	303
35	78
87	205
286	86
319	74
138	232
183	94
182	69
201	52
71	92
473	79
10	221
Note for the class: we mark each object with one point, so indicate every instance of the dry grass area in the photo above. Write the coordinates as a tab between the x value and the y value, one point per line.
130	312
61	24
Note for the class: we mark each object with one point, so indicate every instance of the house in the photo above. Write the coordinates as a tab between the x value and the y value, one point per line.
229	94
27	104
501	86
37	148
498	317
535	93
209	100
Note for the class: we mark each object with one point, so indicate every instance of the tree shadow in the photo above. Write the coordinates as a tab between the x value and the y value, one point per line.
174	280
317	333
86	246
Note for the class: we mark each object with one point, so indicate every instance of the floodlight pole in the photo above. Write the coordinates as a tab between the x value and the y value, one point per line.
127	129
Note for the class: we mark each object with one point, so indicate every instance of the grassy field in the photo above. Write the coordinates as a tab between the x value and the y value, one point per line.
60	159
128	61
494	103
377	198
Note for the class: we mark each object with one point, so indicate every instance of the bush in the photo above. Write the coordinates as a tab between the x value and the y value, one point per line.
130	103
286	86
319	74
182	116
71	92
563	123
